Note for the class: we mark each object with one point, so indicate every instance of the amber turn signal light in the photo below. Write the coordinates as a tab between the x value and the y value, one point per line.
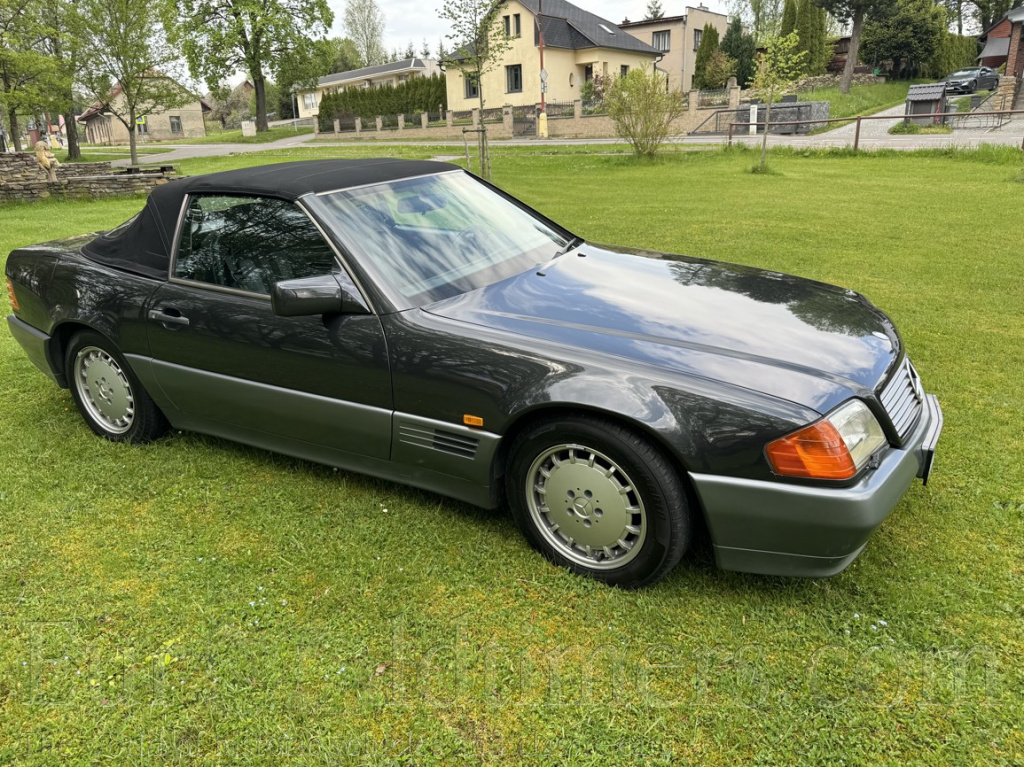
817	451
10	295
472	420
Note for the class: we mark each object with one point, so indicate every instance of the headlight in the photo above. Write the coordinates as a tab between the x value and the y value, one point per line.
836	447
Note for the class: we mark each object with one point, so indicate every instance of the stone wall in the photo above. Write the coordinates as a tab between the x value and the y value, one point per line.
21	179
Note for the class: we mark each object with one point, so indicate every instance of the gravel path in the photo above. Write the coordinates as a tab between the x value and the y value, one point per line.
869	129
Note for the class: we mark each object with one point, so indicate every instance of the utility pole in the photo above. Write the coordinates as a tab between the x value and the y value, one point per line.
543	119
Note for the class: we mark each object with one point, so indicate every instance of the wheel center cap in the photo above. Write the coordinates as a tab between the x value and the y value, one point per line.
583	507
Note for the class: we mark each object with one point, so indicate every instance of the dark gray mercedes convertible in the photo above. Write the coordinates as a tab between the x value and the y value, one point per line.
409	321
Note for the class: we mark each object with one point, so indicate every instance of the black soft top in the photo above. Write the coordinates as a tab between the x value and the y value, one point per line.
144	245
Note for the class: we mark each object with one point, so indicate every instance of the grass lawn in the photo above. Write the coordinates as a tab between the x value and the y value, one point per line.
197	602
862	99
236	137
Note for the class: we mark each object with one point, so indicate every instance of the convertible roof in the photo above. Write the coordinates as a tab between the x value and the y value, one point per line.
145	245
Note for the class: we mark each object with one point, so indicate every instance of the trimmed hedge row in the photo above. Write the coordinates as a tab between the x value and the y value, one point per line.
420	94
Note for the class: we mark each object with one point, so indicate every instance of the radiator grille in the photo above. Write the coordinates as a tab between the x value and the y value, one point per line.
903	399
438	439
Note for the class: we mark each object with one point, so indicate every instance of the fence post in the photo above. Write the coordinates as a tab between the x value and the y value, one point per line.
856	136
337	127
694	101
380	123
507	120
449	117
424	120
577	109
476	117
754	109
359	125
401	122
734	93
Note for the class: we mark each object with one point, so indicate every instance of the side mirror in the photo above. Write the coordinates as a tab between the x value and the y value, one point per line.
324	294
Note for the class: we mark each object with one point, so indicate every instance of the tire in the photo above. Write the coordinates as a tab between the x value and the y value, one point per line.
107	393
619	497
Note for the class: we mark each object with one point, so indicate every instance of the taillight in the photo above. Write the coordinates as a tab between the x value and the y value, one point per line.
10	295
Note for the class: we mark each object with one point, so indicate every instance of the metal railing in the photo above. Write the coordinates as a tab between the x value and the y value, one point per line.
859	120
715	98
560	108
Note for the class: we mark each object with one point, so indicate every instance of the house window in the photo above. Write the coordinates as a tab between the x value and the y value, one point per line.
142	128
661	41
176	124
472	83
513	25
309	100
588	73
623	70
697	35
514	79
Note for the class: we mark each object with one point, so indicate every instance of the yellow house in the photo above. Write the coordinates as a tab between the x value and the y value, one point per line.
578	46
394	73
678	38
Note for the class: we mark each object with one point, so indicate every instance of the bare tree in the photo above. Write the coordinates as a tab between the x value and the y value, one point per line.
364	24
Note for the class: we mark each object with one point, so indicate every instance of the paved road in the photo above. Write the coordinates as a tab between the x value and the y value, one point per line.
874	135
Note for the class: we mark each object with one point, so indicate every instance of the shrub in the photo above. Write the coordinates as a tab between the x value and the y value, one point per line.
643	109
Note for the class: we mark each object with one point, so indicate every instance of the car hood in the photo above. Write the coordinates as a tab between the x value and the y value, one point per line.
792	338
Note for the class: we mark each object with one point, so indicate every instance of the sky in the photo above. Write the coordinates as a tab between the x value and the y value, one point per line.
417	19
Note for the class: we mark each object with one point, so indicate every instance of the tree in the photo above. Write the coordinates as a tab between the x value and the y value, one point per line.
410	51
781	65
811	26
425	49
643	109
708	45
230	106
854	13
654	10
477	36
719	69
909	34
219	37
988	12
788	24
130	64
364	23
26	71
741	48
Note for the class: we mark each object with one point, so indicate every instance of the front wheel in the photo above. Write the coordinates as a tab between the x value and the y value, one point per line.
107	393
600	499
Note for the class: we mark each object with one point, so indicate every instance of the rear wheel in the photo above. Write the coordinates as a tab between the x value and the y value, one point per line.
600	499
107	393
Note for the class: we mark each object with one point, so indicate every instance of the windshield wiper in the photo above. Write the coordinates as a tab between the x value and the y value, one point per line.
575	242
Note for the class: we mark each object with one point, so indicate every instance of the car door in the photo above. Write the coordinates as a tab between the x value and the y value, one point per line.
230	366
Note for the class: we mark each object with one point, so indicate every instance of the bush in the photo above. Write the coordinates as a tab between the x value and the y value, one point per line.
643	109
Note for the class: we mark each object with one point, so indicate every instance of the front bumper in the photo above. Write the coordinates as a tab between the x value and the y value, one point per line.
775	528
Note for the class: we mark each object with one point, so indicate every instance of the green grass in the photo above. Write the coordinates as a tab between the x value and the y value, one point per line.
862	99
913	129
197	602
236	137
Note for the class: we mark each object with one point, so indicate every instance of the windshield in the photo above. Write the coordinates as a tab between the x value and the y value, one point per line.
438	236
965	73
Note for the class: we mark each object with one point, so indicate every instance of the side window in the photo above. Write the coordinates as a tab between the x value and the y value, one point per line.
249	243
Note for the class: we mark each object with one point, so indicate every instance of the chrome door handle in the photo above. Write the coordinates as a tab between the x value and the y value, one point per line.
167	319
